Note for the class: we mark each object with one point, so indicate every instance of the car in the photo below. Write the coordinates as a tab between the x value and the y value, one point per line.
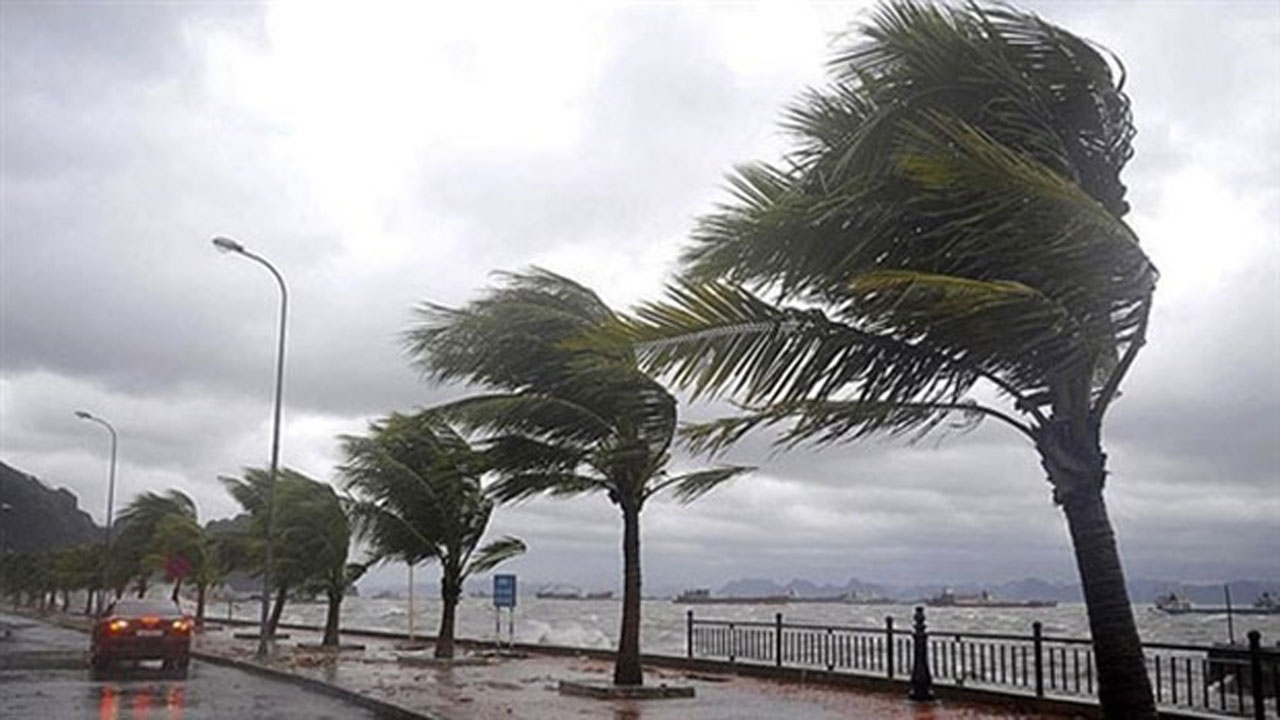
142	629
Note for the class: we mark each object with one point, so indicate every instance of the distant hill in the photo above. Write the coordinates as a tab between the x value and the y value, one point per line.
39	517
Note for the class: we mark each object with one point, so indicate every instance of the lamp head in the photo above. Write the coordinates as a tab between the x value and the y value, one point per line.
226	244
83	415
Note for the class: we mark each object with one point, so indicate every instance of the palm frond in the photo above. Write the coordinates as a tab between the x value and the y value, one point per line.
690	486
494	554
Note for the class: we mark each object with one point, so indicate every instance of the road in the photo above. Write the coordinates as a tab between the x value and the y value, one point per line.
43	676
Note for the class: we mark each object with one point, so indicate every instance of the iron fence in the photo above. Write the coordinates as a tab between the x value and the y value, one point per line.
1223	680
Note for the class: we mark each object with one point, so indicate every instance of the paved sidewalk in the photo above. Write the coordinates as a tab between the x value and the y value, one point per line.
525	688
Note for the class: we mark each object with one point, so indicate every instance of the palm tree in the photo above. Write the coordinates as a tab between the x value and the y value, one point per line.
419	497
149	534
562	418
313	525
949	221
312	536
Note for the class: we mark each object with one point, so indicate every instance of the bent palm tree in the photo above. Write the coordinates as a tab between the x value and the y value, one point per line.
949	220
419	497
561	419
147	533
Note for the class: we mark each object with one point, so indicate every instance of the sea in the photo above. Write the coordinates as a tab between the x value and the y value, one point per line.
595	623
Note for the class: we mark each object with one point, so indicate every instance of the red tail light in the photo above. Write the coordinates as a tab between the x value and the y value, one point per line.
116	626
182	626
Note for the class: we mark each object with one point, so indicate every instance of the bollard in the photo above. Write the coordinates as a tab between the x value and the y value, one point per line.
1037	640
921	678
777	639
888	644
688	634
1255	675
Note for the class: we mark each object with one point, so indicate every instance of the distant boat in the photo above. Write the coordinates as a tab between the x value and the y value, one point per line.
702	596
566	592
558	592
983	600
1174	604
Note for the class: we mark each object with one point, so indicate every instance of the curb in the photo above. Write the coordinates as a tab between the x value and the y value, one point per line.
382	708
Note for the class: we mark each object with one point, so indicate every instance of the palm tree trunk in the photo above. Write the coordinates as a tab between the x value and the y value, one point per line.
1072	456
1124	690
274	620
450	591
201	589
626	670
331	618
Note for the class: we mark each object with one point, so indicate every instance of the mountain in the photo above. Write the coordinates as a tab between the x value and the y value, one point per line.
38	517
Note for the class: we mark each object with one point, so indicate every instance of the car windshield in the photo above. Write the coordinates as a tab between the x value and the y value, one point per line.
138	608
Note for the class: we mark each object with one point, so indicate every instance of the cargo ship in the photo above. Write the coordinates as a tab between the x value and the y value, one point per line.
702	596
983	600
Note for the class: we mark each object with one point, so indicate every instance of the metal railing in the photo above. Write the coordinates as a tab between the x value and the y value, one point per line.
1222	680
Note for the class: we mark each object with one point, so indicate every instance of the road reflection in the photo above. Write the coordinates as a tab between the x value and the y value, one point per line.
136	701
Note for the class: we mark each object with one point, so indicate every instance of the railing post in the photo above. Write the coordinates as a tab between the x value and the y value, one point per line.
777	639
921	678
688	634
888	645
1255	675
732	645
1037	641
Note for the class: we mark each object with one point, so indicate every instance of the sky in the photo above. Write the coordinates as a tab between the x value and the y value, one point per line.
383	155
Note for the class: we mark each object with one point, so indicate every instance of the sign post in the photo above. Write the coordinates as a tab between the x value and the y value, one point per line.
504	596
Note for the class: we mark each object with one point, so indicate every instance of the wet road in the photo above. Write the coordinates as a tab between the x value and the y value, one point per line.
42	676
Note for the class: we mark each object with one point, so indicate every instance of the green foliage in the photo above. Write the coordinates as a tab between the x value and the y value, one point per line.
418	496
561	416
950	215
311	531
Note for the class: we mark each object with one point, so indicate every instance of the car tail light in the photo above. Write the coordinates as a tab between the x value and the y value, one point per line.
116	626
182	626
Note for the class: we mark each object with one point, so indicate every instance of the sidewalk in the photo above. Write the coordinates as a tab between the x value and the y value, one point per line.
525	688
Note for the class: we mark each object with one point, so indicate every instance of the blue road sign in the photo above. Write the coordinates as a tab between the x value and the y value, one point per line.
504	591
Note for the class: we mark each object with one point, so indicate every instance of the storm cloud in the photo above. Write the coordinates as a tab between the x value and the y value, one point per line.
382	159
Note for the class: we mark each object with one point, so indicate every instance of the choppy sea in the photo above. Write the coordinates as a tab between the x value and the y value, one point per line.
595	623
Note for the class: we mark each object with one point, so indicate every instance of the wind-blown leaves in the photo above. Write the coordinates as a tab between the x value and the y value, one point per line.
951	215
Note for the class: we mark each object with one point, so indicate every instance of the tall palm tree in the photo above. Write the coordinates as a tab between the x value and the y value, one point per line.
950	220
418	497
562	417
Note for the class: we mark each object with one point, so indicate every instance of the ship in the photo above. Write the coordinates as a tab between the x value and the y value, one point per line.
1174	604
947	598
702	596
565	592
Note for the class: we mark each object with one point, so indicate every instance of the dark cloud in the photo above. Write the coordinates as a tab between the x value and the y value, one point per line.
132	133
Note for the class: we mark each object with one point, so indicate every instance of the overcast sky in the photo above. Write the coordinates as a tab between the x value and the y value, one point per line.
384	155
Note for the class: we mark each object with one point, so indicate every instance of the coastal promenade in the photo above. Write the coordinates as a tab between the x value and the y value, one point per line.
484	685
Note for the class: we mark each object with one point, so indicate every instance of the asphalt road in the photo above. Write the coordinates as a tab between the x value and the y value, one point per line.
43	677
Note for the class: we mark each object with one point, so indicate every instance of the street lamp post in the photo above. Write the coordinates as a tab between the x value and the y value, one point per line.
4	537
228	245
111	499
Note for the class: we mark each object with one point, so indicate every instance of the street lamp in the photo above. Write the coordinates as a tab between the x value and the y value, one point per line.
111	499
228	245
